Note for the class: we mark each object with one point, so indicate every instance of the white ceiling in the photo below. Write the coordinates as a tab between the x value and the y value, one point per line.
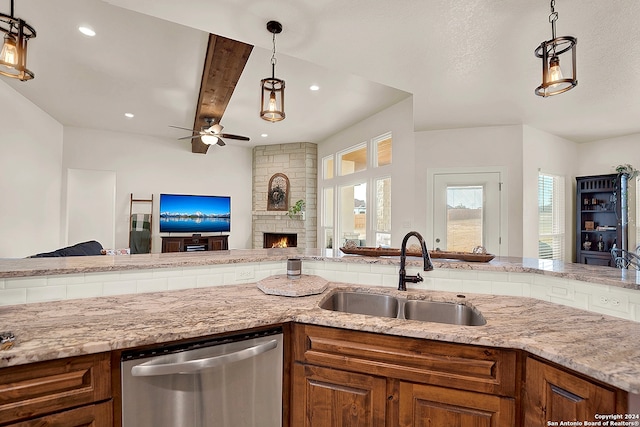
466	63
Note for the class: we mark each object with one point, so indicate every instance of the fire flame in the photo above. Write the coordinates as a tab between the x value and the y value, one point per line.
282	243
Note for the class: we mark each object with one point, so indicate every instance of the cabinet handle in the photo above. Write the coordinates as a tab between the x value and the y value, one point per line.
566	394
148	369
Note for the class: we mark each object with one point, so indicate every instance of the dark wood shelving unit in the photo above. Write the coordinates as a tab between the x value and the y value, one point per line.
195	243
601	211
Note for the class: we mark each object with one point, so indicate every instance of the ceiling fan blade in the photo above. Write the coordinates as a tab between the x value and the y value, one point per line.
220	142
178	127
230	136
189	137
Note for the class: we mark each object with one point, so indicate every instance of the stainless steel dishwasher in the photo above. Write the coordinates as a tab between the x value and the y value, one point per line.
232	381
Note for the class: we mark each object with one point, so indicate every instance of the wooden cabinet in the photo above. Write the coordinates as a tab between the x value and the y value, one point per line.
382	380
62	393
100	415
337	398
553	394
195	243
425	405
601	217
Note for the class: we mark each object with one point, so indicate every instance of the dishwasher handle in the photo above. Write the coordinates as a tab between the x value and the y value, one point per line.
148	370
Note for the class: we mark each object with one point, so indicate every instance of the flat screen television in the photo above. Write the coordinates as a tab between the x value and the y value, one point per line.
182	213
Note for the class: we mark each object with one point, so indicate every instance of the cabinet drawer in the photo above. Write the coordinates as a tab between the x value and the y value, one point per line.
36	389
100	415
465	367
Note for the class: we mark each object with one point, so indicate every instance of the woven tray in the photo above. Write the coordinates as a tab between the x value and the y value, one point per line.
463	256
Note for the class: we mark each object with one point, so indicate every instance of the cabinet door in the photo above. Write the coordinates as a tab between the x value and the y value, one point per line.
425	405
87	416
323	397
552	394
172	245
218	243
596	258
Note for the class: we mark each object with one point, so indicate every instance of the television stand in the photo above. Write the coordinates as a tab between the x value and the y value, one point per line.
195	243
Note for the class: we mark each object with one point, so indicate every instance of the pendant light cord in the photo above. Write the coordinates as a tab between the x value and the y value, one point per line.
553	17
273	57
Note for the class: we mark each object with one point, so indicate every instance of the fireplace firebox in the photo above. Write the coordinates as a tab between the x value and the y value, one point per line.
280	240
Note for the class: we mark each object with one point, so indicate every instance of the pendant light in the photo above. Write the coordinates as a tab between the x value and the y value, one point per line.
13	56
272	98
554	79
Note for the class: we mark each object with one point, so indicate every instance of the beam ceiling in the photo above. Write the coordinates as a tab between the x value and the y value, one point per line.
223	66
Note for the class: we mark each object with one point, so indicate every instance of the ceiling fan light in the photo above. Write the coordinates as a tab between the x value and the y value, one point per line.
209	139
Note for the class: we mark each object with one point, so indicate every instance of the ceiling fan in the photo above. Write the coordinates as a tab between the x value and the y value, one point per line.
211	134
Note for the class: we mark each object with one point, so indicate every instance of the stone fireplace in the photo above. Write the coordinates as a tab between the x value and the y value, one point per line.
299	162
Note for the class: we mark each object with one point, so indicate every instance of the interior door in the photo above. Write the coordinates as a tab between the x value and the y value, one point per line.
467	211
91	206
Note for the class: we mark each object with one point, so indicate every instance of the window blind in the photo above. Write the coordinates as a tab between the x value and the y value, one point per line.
551	216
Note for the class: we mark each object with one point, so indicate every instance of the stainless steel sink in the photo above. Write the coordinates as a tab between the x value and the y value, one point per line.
401	308
442	312
362	303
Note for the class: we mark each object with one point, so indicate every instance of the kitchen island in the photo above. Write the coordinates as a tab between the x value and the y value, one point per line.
600	346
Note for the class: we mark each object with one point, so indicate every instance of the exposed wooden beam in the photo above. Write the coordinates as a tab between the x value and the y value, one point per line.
223	67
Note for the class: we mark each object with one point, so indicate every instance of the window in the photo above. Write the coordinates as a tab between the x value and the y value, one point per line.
353	214
637	209
551	217
353	160
355	201
383	212
326	221
465	217
382	146
327	167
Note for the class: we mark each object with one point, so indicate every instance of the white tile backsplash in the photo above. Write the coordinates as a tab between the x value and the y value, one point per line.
47	293
182	282
624	303
13	296
26	282
158	284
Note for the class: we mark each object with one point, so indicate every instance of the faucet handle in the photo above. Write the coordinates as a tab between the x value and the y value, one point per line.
419	278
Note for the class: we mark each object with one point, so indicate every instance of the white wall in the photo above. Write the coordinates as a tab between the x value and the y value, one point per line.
547	153
601	157
499	147
397	119
146	165
30	176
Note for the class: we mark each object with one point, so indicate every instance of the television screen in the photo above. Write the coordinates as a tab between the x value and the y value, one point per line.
182	213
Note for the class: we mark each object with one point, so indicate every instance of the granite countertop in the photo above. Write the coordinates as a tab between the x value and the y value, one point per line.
602	347
72	265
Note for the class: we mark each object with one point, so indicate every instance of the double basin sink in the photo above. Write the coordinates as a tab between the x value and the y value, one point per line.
402	308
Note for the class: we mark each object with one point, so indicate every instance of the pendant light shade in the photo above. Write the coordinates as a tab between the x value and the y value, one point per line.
13	56
272	96
558	57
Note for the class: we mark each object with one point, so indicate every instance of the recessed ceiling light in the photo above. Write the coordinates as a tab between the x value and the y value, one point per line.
264	135
314	87
129	115
87	31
